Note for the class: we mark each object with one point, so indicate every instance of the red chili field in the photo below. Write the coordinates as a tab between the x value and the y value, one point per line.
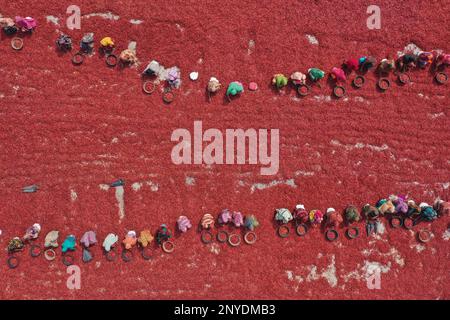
73	130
